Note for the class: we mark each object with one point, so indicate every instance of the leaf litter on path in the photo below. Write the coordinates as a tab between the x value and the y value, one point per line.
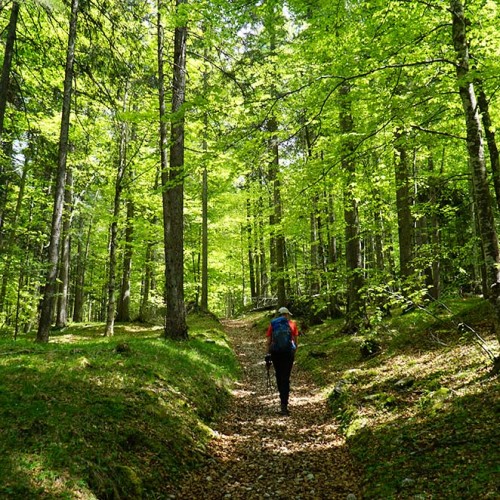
256	453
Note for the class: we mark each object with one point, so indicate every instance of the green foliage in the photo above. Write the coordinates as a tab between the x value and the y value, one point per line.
109	418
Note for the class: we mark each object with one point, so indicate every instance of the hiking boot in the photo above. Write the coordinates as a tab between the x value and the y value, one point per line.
284	410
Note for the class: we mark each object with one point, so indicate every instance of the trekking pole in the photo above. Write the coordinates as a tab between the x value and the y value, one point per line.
268	370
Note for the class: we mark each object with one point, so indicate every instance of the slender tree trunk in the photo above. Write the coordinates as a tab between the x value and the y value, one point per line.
113	234
435	238
123	310
264	279
7	61
47	305
148	283
6	147
256	260
403	205
331	259
62	296
146	286
251	269
83	253
355	304
475	150
173	184
4	95
7	249
489	132
314	283
378	243
204	206
277	238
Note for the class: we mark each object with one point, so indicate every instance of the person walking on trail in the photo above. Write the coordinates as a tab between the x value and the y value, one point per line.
282	335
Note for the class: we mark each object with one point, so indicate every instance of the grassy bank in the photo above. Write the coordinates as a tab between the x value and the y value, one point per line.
91	417
421	417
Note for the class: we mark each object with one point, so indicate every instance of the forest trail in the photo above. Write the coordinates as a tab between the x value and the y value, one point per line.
259	454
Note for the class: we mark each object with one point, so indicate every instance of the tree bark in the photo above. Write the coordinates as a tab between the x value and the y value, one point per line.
251	259
173	184
123	310
263	265
113	233
489	132
475	149
435	238
80	274
7	61
62	296
146	285
204	206
356	314
277	238
7	248
4	95
47	304
406	228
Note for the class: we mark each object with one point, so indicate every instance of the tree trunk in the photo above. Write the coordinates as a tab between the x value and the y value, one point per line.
7	249
356	314
146	283
47	305
489	132
113	234
80	274
277	238
173	184
475	149
314	281
62	296
123	310
331	260
403	206
251	268
4	95
435	237
148	277
204	206
7	61
6	147
264	279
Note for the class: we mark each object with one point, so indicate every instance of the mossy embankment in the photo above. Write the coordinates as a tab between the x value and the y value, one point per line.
121	417
421	414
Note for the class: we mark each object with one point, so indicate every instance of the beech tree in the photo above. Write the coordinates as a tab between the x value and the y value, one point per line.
475	149
47	305
173	183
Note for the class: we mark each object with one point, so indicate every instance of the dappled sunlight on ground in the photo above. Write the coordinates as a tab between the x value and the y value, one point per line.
257	453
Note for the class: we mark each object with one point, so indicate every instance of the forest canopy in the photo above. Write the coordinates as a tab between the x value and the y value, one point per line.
224	155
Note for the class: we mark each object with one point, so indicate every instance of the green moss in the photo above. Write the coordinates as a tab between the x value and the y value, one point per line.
81	417
439	424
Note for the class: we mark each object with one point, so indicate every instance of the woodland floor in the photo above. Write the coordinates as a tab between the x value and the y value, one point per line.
257	453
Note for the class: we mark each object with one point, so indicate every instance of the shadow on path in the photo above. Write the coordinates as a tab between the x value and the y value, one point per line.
258	454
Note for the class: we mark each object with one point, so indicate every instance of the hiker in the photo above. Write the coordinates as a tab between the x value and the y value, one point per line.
282	335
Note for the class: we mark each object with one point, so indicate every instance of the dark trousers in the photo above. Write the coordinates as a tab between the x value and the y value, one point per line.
283	362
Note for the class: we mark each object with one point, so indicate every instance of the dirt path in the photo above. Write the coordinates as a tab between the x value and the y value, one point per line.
259	454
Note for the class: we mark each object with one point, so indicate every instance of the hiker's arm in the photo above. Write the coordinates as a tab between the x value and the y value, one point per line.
268	340
295	335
